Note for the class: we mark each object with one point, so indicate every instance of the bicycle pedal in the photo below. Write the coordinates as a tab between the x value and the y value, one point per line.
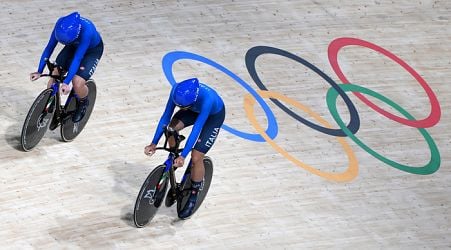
171	197
54	124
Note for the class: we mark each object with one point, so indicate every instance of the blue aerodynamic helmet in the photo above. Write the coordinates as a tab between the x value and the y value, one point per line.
68	28
186	92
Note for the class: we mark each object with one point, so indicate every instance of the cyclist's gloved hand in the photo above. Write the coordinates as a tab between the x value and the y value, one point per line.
150	149
66	88
35	76
179	161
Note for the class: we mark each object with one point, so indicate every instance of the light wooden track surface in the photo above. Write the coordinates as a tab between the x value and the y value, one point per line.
81	194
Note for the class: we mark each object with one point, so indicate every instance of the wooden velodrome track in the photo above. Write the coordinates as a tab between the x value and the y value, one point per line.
81	194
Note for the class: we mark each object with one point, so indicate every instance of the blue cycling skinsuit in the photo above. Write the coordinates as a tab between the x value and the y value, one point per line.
207	114
79	57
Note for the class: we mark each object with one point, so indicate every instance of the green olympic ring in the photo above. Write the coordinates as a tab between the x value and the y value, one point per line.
434	162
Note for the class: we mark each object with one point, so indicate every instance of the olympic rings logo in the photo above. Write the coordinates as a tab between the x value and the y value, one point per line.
344	130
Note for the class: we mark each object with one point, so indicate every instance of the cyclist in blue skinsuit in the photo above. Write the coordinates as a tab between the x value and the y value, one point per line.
201	107
79	57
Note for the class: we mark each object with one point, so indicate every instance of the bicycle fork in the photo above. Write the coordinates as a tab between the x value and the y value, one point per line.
174	185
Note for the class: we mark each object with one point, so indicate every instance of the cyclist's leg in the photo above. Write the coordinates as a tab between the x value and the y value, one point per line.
197	168
87	68
204	143
80	87
177	125
63	59
181	119
197	176
51	80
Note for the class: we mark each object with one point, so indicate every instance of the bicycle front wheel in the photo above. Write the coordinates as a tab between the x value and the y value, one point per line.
37	121
150	196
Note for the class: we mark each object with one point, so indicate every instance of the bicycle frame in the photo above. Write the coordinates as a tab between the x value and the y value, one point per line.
59	78
169	163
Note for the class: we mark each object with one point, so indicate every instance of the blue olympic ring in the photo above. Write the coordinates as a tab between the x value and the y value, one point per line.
170	58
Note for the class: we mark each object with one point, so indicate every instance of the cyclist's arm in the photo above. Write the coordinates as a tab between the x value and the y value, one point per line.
47	51
165	118
78	56
197	127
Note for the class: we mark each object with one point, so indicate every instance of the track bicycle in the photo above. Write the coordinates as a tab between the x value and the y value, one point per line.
47	111
154	188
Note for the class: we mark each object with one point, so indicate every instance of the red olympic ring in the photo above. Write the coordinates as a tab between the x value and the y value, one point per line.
427	122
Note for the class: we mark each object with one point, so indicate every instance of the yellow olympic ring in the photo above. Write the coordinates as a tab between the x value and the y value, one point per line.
352	169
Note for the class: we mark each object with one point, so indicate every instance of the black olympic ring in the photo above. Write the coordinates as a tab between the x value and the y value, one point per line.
251	57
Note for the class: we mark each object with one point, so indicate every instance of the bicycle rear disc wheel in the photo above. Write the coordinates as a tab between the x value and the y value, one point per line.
69	129
149	197
208	164
36	122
